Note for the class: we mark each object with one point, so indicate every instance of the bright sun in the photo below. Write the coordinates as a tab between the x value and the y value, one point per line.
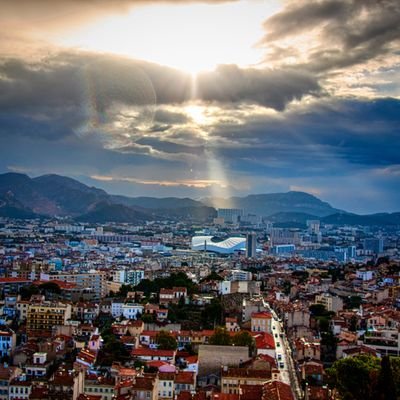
192	37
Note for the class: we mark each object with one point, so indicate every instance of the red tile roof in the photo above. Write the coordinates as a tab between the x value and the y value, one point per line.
264	340
152	353
13	280
185	377
251	392
263	314
276	390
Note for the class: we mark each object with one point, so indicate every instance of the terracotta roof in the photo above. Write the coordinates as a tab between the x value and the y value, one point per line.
251	392
143	384
17	382
318	393
152	352
184	395
276	390
166	376
127	372
246	373
156	363
264	340
313	368
13	280
267	358
192	359
185	377
86	355
149	333
166	291
39	392
263	314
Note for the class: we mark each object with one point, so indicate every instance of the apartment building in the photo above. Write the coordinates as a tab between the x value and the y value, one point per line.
43	317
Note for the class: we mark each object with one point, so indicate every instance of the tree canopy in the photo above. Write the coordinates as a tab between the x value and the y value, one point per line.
212	313
355	378
166	341
221	337
179	279
243	338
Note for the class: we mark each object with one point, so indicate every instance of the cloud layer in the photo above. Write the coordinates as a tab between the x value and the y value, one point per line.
321	113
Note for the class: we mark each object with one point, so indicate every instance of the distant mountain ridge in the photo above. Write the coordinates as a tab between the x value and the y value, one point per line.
273	203
54	195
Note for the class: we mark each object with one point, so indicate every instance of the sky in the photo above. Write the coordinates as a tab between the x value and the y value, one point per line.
206	98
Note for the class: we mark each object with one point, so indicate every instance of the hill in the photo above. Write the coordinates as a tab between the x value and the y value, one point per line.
273	203
104	212
382	219
55	195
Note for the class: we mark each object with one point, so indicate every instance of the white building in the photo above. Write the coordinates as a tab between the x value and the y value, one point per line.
116	308
131	310
7	341
227	246
261	322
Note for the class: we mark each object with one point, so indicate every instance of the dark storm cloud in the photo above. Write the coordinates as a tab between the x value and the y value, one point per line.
270	88
351	31
361	133
41	86
68	82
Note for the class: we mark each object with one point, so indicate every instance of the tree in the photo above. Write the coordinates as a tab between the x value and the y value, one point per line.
323	324
212	313
112	350
213	276
123	290
355	377
328	346
244	338
220	337
386	385
318	310
287	285
50	287
302	276
148	318
166	341
395	364
353	323
353	302
27	292
179	279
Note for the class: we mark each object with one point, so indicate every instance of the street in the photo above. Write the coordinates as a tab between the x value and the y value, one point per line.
284	358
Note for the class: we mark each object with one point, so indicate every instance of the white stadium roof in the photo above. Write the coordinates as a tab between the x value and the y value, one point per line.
227	246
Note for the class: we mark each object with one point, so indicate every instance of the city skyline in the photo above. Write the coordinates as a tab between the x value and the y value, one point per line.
206	98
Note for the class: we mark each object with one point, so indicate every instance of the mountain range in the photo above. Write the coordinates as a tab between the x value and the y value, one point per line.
54	195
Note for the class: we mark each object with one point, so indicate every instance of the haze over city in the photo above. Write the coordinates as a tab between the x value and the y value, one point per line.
205	98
